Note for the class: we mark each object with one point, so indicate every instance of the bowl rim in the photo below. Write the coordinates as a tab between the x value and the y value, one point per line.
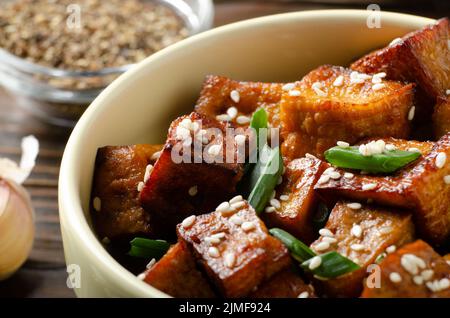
70	207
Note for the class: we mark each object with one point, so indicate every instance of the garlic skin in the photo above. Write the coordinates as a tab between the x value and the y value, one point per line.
16	227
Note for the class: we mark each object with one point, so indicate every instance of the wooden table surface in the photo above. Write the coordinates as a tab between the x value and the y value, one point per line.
44	274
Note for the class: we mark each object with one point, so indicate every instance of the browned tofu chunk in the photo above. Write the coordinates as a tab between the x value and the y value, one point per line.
234	247
188	180
361	235
421	56
115	205
176	274
441	117
330	104
421	187
297	198
285	284
220	93
414	271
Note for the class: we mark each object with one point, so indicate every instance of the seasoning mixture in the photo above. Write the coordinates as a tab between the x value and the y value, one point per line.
87	35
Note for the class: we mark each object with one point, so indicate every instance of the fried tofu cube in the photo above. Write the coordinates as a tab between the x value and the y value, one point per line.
361	235
234	248
441	118
420	187
421	56
298	202
414	271
330	104
285	284
216	98
176	274
115	205
188	177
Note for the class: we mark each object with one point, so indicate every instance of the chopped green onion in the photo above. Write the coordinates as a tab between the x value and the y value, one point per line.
264	178
298	249
332	265
259	120
146	248
387	162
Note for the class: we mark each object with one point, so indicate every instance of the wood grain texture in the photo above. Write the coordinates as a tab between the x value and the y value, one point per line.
44	274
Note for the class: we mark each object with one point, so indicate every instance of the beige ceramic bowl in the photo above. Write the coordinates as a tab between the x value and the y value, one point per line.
138	107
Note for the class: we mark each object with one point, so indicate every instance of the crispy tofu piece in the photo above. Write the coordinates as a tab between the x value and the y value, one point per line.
441	117
215	98
429	281
375	229
419	187
285	284
115	205
421	56
296	213
317	118
243	258
188	181
176	274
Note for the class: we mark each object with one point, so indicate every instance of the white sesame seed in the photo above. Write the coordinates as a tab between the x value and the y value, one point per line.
391	249
343	144
304	294
323	179
186	123
236	199
219	235
390	147
156	155
380	75
357	247
322	246
212	240
326	232
411	113
140	186
444	283
188	222
151	263
408	264
240	139
376	80
317	87
418	280
348	175
232	112
315	262
294	92
269	209
224	208
385	230
396	41
427	274
288	86
364	150
447	92
236	219
148	171
237	205
182	133
354	205
213	252
378	86
447	179
284	197
413	149
335	175
235	96
243	120
141	276
395	277
248	226
223	117
229	259
329	239
356	231
310	156
193	191
441	158
214	150
369	186
280	180
364	76
338	81
275	203
97	204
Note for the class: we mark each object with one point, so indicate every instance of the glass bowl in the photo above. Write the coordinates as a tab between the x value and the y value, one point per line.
46	91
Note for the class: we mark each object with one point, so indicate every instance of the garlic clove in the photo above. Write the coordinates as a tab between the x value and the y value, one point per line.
16	227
